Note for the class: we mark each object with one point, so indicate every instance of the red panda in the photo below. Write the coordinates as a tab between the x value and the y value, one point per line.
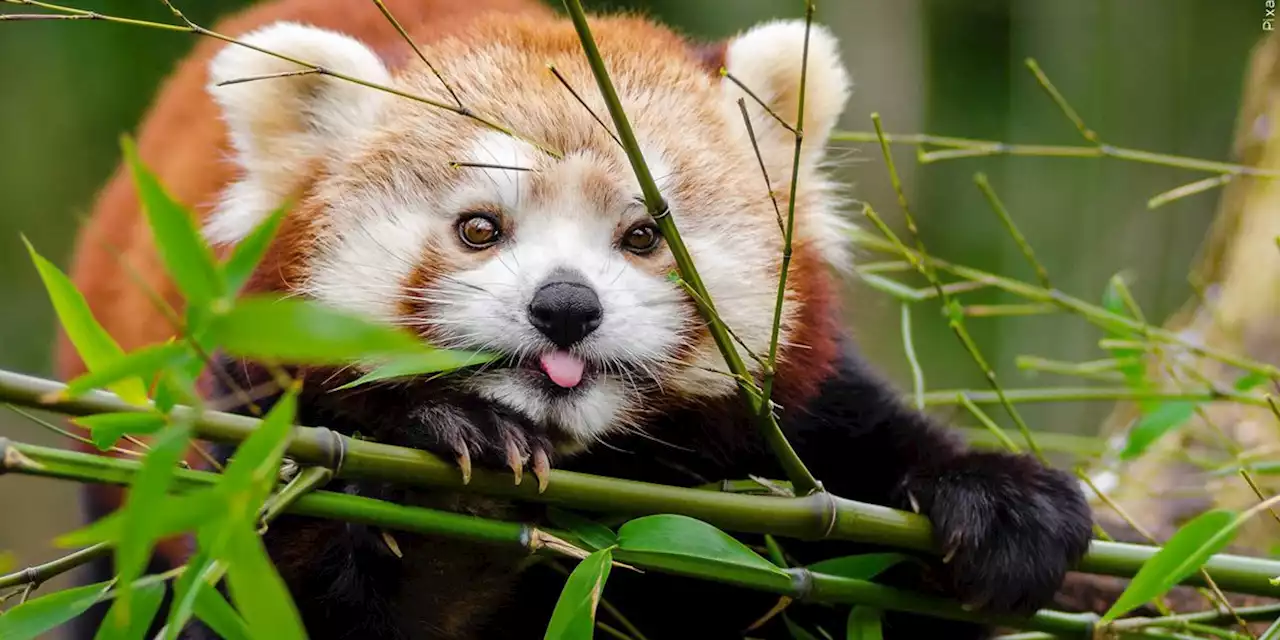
538	246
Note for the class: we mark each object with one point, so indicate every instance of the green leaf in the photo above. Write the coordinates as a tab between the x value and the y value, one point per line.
139	528
96	347
1153	424
142	364
864	624
249	251
433	361
1132	366
33	618
255	467
797	632
1250	381
202	573
305	332
575	612
1181	556
212	609
257	589
105	429
186	256
174	514
691	547
591	533
142	610
860	567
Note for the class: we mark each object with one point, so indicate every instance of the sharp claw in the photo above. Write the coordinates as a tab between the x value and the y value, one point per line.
464	462
513	461
541	469
915	504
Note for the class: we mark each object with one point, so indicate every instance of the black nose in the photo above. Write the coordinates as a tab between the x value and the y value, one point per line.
565	308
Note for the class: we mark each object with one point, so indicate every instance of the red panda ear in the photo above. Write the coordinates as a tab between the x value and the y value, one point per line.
279	123
768	60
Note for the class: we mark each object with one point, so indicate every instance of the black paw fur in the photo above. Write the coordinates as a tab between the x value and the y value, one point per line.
483	435
1010	528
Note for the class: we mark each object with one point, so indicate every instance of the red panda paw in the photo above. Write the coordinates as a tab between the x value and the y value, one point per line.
486	437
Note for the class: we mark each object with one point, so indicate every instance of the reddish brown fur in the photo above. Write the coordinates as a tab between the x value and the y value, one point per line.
184	141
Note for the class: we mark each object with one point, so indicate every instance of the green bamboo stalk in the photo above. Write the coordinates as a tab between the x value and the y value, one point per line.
800	477
797	583
817	516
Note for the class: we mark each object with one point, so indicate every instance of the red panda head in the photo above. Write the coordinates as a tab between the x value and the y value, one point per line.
548	255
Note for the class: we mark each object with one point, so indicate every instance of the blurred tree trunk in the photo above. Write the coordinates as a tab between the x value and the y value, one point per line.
1237	310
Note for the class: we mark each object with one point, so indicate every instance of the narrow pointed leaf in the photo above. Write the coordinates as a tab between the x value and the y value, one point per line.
257	589
1181	556
186	256
305	332
686	545
861	567
589	532
254	468
174	514
142	610
432	361
1155	423
203	571
105	429
141	364
797	632
213	610
94	345
864	624
139	527
40	615
249	252
574	617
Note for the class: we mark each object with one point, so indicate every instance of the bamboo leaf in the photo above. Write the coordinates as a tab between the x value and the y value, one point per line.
212	609
142	610
432	361
575	612
139	528
686	545
186	256
797	632
202	572
249	251
254	468
105	429
1155	423
1250	381
864	624
305	332
860	567
35	617
174	514
1181	556
257	589
142	364
589	532
94	345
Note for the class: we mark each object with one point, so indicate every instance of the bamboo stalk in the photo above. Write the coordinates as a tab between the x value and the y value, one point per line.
817	516
797	583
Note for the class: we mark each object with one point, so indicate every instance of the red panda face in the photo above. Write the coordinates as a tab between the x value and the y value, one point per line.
539	245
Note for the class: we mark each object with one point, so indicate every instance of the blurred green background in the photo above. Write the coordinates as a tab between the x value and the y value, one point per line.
1158	75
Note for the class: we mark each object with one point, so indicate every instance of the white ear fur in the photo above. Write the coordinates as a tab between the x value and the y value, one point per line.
279	125
768	59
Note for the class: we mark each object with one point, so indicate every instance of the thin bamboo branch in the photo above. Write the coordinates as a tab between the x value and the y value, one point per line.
658	208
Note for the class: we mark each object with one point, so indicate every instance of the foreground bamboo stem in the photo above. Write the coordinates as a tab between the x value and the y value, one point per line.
800	477
797	583
817	516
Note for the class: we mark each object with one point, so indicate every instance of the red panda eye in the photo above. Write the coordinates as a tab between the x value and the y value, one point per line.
478	230
641	238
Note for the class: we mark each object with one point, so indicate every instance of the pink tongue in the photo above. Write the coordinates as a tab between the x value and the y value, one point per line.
564	368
